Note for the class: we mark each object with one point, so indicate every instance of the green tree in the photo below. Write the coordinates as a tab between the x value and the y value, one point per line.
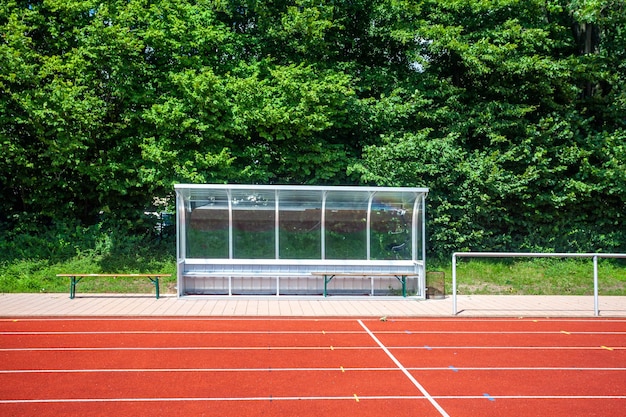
509	136
510	111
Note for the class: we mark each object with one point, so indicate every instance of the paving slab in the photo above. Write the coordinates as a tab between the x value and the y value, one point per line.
58	304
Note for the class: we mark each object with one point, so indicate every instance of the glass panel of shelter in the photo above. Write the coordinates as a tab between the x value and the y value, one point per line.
391	225
300	224
207	228
242	224
254	223
346	224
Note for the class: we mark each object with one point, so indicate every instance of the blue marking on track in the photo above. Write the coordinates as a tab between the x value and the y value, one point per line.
489	397
453	368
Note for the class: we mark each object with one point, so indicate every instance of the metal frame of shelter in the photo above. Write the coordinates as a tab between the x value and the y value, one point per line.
289	239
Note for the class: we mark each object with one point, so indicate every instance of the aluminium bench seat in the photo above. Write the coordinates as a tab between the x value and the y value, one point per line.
278	270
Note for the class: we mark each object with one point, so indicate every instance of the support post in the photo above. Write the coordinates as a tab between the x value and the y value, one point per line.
595	286
72	287
73	282
327	279
454	311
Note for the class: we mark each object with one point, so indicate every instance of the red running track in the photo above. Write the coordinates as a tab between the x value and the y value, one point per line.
312	367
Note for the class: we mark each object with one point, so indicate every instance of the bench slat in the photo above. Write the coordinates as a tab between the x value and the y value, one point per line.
114	275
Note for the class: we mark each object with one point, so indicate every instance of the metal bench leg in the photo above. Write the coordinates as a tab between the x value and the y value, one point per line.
327	279
155	281
73	282
72	287
404	285
402	279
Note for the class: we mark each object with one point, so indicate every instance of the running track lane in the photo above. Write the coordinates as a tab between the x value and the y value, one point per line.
343	368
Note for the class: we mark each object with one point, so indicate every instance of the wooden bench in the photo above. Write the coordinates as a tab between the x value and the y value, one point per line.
76	278
328	276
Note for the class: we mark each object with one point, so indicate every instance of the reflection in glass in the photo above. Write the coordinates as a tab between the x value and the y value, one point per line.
300	224
208	224
253	224
290	222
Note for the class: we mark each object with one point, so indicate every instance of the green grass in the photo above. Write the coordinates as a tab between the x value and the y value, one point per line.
25	267
545	276
40	276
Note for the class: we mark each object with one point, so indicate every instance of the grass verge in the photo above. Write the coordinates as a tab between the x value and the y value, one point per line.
542	276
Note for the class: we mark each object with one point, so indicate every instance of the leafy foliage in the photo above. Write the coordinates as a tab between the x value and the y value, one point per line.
512	112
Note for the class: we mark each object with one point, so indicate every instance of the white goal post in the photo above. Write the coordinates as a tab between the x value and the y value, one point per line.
594	256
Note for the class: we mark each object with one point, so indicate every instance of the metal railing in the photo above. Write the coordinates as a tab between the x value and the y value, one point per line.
595	257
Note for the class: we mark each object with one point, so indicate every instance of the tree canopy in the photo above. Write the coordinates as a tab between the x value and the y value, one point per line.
512	112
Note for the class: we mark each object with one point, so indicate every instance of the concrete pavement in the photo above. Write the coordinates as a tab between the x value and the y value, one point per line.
59	304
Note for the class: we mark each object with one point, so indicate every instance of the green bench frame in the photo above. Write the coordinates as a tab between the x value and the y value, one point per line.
76	278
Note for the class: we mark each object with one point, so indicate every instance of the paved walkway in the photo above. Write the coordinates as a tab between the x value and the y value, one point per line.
59	304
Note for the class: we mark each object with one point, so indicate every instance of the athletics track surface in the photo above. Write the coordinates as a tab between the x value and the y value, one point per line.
312	367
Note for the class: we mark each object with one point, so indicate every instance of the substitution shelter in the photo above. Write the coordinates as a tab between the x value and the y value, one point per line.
300	240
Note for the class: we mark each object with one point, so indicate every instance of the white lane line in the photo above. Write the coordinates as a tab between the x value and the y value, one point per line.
536	397
509	347
174	332
173	370
175	399
405	371
340	369
285	348
183	348
321	398
289	332
462	332
528	319
27	319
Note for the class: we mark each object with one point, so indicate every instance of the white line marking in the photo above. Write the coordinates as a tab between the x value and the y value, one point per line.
161	332
129	370
26	319
342	398
272	332
340	369
102	400
284	348
405	371
534	397
508	347
184	348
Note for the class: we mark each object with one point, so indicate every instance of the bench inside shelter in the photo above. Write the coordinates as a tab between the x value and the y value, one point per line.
300	240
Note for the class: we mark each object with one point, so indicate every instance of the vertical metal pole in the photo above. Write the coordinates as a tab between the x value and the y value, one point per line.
454	310
276	225
423	225
416	229
181	238
323	228
230	225
595	286
72	287
368	226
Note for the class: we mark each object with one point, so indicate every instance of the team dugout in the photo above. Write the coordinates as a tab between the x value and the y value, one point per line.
300	240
